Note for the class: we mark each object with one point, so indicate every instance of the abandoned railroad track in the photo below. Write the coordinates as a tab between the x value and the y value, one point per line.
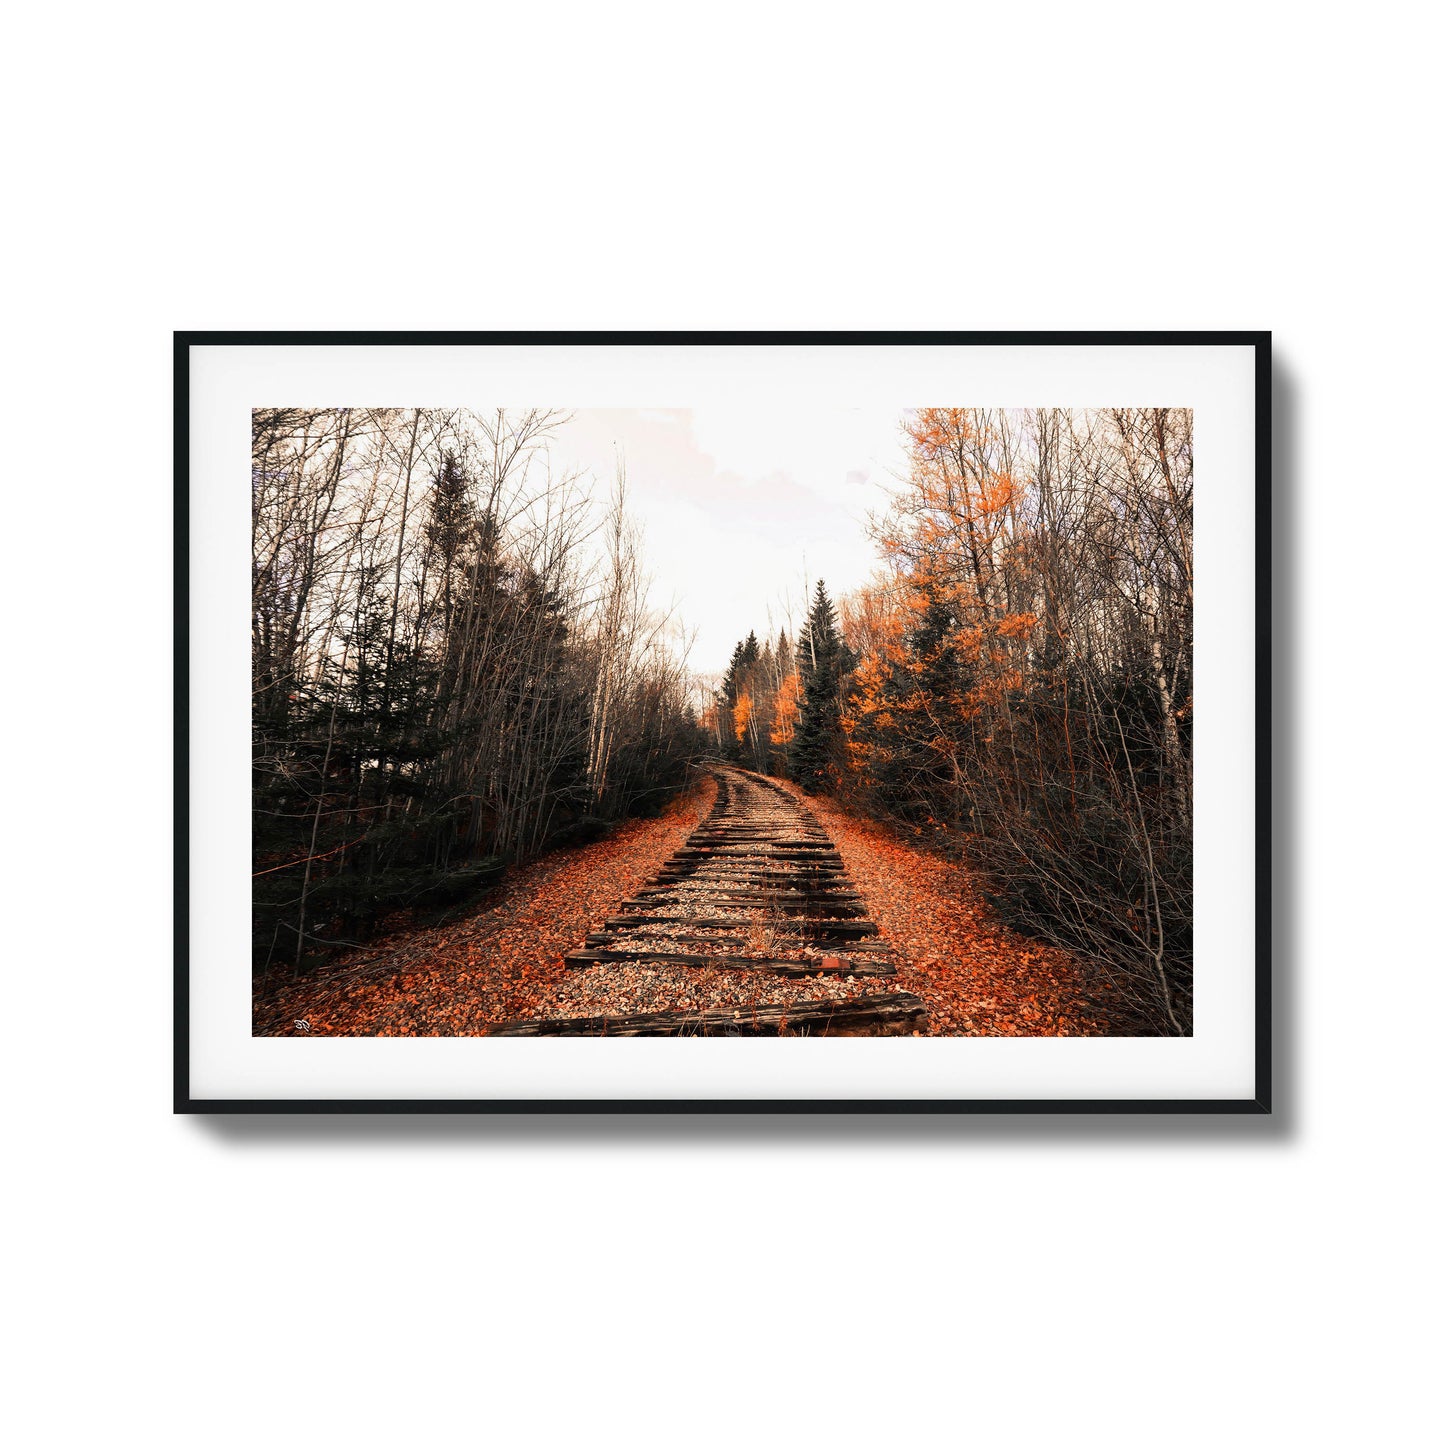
758	891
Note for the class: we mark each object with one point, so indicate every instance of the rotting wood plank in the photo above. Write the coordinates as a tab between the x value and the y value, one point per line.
762	892
881	1013
800	909
809	872
804	927
836	945
822	882
762	848
870	965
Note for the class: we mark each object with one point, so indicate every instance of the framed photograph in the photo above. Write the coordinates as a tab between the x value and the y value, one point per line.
722	722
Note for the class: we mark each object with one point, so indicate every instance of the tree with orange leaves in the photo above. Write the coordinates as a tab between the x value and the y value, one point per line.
1024	676
742	713
785	712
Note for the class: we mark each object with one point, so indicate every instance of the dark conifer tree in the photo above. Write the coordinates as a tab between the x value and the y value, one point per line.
733	677
783	652
823	665
451	526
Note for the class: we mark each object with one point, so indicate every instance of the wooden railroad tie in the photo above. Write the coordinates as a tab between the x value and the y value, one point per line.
887	1013
870	965
804	927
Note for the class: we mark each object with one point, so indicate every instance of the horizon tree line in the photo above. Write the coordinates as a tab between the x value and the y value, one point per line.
779	707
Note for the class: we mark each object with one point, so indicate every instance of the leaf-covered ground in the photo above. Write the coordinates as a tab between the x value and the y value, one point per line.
974	975
501	963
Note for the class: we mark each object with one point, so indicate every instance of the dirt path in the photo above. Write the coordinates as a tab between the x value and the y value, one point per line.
939	941
752	928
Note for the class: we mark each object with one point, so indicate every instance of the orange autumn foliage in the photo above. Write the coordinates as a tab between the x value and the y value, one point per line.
742	714
785	711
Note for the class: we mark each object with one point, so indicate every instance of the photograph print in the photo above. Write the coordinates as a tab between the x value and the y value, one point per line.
722	722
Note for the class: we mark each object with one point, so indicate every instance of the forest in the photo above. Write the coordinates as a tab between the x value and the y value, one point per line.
457	666
453	666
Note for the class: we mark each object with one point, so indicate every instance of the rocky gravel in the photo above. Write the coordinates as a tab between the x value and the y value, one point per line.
647	988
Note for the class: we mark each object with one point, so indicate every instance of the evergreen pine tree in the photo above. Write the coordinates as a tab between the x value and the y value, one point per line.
733	677
823	665
783	652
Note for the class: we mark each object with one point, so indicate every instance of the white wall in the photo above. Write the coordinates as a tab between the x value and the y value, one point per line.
1090	166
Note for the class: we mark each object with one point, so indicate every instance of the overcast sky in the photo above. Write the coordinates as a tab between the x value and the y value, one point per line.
735	505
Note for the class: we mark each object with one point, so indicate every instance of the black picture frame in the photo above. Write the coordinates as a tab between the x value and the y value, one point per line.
1260	341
